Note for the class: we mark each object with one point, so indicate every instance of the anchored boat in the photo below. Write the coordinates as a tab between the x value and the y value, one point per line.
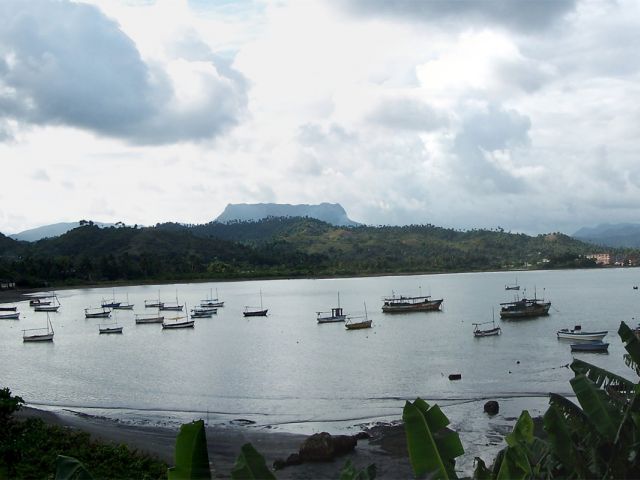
401	303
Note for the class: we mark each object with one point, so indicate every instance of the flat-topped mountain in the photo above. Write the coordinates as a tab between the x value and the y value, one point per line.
50	231
332	213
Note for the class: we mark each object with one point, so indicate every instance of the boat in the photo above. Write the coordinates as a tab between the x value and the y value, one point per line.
110	303
401	303
578	334
172	307
97	312
43	335
212	302
524	308
197	313
594	346
153	303
357	323
489	332
8	309
336	314
10	316
40	300
148	318
178	322
255	311
124	305
212	310
110	328
515	286
48	305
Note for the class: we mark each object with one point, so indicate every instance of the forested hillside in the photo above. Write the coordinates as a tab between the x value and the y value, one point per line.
274	247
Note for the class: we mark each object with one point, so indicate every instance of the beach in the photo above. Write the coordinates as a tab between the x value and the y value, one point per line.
386	447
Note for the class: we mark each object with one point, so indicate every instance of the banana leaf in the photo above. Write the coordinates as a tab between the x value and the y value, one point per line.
425	454
515	464
69	468
595	404
522	430
250	465
349	472
191	456
600	377
562	444
631	342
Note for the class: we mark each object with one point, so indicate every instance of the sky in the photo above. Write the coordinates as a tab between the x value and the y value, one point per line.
517	114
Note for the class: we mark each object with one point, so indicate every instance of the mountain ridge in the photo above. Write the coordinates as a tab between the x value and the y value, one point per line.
332	213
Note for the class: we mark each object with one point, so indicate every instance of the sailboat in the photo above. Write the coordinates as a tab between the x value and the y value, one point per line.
110	328
255	311
153	303
112	303
98	312
477	332
124	305
10	316
212	302
178	322
48	306
173	307
43	335
336	314
149	318
357	323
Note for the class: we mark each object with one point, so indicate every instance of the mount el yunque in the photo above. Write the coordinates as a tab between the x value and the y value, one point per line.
274	240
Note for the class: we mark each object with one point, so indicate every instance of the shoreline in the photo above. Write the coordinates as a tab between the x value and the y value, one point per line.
386	446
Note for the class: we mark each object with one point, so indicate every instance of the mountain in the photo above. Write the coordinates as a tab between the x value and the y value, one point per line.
50	231
332	213
611	235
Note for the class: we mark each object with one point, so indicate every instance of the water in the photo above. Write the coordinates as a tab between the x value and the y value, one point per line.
286	371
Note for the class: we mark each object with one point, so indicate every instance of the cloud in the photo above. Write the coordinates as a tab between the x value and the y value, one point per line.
483	149
40	175
519	15
65	63
407	114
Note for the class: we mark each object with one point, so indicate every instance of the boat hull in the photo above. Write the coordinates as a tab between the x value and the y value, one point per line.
46	308
177	325
339	318
171	308
48	337
581	336
358	325
487	333
97	315
10	316
590	347
256	313
426	306
530	311
111	330
8	309
149	320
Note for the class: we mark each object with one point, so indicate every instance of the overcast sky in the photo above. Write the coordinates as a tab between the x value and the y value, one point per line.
467	114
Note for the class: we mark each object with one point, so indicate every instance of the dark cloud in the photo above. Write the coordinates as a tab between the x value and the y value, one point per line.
68	64
516	14
482	133
407	114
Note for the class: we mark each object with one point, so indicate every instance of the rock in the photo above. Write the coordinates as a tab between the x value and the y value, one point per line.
491	407
294	459
322	447
362	436
279	464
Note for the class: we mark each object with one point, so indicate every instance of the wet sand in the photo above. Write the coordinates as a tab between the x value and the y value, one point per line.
386	447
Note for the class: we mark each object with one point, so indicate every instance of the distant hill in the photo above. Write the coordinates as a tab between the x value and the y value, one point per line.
332	213
611	235
50	231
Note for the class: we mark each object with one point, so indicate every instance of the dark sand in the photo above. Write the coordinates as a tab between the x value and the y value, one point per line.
386	447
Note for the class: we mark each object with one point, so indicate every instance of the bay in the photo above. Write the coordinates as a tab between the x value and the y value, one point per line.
287	371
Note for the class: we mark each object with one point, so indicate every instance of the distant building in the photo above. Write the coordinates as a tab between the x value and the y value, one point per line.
7	284
601	258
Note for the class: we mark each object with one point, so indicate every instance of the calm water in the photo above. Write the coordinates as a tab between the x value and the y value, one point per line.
287	370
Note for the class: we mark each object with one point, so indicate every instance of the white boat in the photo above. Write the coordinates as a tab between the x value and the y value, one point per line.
124	305
4	308
357	323
10	316
39	334
172	307
579	334
110	328
97	312
489	332
111	303
40	300
178	322
48	305
153	303
142	318
203	312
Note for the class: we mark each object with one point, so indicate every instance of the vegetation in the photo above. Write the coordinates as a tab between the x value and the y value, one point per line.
29	449
275	247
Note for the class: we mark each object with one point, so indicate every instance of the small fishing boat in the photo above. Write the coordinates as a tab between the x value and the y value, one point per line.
594	346
524	308
211	310
8	309
336	314
578	334
360	322
256	311
97	312
49	305
201	314
178	322
110	328
489	332
124	305
153	303
40	300
42	335
142	318
515	286
10	316
172	307
110	303
402	304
